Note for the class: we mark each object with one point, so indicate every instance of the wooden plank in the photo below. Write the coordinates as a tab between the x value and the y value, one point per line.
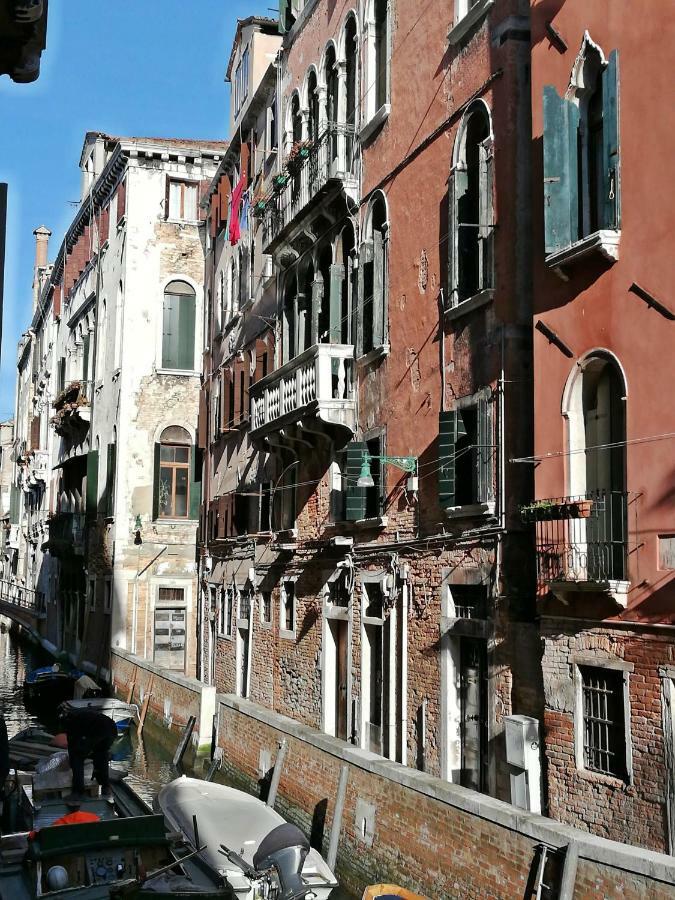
276	775
144	712
182	746
337	817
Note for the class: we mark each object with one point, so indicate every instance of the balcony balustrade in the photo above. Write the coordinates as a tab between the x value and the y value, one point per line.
316	385
314	168
582	541
73	408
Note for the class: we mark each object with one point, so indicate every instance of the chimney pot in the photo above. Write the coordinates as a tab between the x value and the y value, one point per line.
42	236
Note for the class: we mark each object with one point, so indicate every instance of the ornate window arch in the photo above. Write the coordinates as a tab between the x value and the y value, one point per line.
174	483
373	277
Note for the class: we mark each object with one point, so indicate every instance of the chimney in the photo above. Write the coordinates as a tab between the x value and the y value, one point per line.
42	236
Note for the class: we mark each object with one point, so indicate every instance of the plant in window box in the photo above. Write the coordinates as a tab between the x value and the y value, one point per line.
552	510
299	153
259	208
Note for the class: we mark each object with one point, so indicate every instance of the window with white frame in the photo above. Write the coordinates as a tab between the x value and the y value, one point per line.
604	735
373	279
287	609
266	607
182	201
471	231
377	85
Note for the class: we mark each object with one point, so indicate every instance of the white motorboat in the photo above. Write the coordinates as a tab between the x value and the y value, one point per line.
243	839
122	714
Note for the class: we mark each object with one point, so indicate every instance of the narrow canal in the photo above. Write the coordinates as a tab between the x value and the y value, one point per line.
149	757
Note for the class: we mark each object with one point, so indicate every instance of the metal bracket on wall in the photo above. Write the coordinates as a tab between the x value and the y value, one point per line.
651	301
553	338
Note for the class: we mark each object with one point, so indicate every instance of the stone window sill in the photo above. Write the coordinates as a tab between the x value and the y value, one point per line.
617	590
374	522
612	781
459	31
604	242
286	635
464	307
373	355
182	372
471	511
375	121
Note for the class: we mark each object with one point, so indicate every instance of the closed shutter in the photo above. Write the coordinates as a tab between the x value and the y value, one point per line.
203	419
486	231
561	213
35	433
155	484
110	478
450	428
92	483
121	200
283	15
170	332
226	393
355	495
14	504
85	357
195	481
186	332
238	394
245	401
611	212
378	289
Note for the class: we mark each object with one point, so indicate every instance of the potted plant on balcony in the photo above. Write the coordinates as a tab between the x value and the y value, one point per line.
551	510
279	181
299	153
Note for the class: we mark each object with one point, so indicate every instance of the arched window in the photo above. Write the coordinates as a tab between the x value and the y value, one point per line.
373	278
173	462
594	407
296	119
313	108
178	327
289	320
351	58
376	93
331	79
471	232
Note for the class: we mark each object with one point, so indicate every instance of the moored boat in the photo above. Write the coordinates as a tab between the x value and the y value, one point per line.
245	839
389	892
122	714
49	685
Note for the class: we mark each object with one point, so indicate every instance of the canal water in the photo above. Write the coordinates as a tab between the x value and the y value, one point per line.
149	757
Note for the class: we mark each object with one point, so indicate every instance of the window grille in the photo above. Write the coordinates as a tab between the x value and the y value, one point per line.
604	726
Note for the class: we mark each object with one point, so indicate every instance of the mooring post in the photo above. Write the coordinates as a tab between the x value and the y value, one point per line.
144	712
182	747
276	774
213	768
336	827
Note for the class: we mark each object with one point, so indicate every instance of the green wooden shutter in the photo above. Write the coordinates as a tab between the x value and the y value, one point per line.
611	211
447	428
356	496
14	504
85	357
561	213
186	332
378	288
195	482
283	15
170	332
155	484
110	479
486	212
92	483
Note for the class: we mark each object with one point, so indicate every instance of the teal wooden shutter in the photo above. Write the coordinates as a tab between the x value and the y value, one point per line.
283	15
85	356
195	482
355	507
447	426
155	484
110	479
14	505
186	332
378	288
611	211
92	483
170	332
561	213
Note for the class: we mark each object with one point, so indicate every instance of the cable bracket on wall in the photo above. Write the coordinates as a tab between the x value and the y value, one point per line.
553	338
651	301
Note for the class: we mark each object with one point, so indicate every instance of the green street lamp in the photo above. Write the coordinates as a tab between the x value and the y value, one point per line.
406	463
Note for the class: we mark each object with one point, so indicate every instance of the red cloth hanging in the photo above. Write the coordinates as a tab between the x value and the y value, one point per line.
235	230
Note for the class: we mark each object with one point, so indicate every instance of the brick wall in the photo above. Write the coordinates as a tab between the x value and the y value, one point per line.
633	812
433	837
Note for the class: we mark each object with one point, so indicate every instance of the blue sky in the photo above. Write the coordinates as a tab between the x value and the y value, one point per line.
154	67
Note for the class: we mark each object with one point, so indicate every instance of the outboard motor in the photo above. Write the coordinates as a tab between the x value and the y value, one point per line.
285	848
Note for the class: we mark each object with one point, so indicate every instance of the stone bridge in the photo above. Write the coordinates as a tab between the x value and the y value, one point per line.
24	606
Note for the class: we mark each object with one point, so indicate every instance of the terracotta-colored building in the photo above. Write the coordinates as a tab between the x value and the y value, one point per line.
385	597
604	366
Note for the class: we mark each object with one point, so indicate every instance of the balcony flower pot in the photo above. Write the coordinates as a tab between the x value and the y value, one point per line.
549	510
279	182
259	208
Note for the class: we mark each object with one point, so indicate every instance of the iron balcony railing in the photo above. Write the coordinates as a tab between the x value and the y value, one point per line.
331	158
22	597
581	539
319	380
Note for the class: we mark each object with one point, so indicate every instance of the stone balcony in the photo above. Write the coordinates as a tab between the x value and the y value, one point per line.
73	409
316	171
313	394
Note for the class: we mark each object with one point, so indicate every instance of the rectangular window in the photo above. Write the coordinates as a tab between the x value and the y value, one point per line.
288	608
178	331
271	128
107	596
244	604
604	729
182	201
266	607
174	479
466	452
